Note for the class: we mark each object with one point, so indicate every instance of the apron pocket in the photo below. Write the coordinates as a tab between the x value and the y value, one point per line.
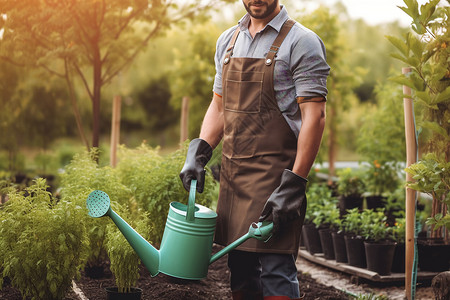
243	91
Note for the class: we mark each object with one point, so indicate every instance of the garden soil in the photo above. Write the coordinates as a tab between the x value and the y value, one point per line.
215	286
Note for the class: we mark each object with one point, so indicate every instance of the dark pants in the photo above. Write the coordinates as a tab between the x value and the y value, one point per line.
273	274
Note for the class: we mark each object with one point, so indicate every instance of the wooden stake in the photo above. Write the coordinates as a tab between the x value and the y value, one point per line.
184	119
115	130
411	157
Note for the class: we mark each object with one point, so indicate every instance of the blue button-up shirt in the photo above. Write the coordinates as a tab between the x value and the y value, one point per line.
300	70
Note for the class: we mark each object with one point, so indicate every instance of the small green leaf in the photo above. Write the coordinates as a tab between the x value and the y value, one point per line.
400	45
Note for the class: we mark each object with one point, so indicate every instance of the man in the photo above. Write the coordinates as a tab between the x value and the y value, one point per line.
269	108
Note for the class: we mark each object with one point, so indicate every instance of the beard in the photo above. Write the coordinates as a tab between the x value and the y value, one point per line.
261	13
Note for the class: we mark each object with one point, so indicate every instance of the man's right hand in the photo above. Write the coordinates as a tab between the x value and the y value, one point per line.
198	155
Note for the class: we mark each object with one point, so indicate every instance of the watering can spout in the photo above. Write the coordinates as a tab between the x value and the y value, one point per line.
261	231
98	204
148	254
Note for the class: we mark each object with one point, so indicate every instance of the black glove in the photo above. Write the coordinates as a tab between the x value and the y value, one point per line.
198	155
287	203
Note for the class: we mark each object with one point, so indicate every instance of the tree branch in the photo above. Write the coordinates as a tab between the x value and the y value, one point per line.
108	78
83	79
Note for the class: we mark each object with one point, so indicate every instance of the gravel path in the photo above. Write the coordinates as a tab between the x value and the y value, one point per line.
344	282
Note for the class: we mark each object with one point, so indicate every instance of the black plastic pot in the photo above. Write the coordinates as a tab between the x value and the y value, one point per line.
112	293
398	263
303	241
349	202
340	251
326	241
373	202
356	253
434	254
312	238
379	256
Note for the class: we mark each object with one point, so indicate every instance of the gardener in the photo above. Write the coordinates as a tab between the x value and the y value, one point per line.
269	107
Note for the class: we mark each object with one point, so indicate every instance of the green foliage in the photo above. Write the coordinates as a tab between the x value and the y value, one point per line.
154	101
82	176
318	196
42	244
371	296
342	79
124	260
154	181
350	182
193	71
427	51
381	136
399	230
381	178
395	202
352	222
374	226
141	188
432	176
324	207
93	41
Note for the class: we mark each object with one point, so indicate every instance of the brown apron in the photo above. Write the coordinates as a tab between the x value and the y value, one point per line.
258	145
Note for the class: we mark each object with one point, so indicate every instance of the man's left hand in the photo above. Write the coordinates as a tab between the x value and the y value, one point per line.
287	203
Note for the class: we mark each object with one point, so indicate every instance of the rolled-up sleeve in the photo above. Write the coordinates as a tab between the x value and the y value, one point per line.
309	66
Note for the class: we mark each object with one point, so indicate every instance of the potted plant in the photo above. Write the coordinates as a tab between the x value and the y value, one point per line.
338	237
426	51
326	219
354	241
380	179
379	245
317	195
394	207
350	187
398	233
432	176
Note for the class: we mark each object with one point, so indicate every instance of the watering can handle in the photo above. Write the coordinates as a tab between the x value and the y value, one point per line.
190	214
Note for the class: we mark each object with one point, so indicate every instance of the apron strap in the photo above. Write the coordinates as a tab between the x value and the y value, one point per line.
231	46
278	41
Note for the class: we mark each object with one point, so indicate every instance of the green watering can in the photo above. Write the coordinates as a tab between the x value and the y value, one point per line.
187	240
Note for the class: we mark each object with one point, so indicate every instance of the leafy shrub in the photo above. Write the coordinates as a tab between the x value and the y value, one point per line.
325	212
352	222
381	136
155	182
432	176
81	176
350	182
317	196
374	226
42	245
381	178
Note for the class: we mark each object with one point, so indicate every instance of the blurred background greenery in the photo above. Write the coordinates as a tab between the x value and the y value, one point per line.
38	129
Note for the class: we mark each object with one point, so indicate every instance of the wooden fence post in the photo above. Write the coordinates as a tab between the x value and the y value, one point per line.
115	130
184	119
411	157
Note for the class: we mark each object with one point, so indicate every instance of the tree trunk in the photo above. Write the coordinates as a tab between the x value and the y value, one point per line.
96	95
